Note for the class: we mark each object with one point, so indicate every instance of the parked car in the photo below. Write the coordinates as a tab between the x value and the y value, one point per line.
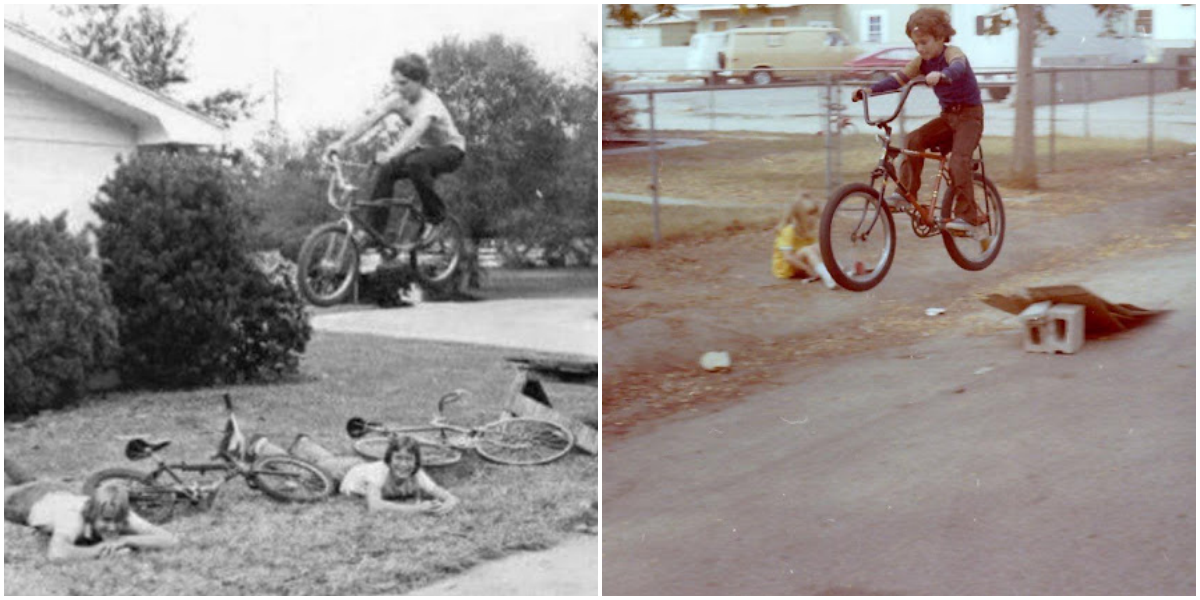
881	63
760	55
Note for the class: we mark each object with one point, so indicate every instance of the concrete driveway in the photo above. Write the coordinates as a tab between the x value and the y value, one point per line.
559	325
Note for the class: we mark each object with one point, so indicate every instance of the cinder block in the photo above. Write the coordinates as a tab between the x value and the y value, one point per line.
1053	328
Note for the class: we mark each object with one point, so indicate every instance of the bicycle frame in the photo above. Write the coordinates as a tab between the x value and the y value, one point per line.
340	195
357	427
886	169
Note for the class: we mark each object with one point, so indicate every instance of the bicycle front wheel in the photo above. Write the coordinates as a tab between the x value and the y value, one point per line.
328	265
975	250
858	237
524	441
432	455
151	501
288	479
436	260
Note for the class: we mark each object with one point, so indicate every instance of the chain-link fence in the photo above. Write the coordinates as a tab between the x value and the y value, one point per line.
1145	103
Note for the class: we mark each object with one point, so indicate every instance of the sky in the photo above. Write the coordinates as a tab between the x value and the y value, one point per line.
333	60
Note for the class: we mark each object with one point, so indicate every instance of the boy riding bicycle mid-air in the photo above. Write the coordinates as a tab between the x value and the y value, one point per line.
430	145
959	126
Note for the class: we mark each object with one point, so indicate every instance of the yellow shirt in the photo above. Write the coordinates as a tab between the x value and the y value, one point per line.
787	241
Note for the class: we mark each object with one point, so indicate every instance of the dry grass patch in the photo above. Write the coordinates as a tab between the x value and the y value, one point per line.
764	172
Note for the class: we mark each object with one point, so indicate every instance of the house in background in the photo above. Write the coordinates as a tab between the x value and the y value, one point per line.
67	120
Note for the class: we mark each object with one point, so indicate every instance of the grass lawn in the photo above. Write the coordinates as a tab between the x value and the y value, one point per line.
248	544
764	171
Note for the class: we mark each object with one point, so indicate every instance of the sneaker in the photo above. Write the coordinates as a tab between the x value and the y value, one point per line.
961	225
896	202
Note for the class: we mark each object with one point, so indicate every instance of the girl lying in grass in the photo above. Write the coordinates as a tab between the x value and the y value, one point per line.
398	483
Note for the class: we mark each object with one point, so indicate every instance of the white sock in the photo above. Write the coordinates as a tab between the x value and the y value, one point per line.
824	274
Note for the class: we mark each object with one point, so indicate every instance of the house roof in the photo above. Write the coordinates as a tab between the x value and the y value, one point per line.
659	19
707	7
159	119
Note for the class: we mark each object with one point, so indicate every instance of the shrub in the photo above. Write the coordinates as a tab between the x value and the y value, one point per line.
194	309
59	323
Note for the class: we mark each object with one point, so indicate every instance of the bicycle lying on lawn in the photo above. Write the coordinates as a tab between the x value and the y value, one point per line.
508	440
329	258
154	495
858	233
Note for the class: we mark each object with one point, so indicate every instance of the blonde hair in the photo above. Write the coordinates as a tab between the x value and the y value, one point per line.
107	502
803	215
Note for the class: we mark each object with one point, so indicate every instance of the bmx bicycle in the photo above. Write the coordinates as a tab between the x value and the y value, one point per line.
329	257
508	440
858	232
154	495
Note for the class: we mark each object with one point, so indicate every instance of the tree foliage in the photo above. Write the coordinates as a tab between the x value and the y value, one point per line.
60	327
141	43
527	134
194	309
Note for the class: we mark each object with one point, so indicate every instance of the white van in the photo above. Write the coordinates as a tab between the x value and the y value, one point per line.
760	55
704	52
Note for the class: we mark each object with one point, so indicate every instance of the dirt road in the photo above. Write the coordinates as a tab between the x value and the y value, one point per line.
859	446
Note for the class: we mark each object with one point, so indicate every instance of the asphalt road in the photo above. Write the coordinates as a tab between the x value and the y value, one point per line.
958	465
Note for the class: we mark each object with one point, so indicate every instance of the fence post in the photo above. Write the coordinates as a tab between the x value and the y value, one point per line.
1053	113
654	170
1087	104
1150	115
828	140
712	109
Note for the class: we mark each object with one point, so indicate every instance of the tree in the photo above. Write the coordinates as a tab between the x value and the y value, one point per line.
146	47
1032	23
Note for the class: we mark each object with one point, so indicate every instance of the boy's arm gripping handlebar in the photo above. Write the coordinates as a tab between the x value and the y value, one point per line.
904	91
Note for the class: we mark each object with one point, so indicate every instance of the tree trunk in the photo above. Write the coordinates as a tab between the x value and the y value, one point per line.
1024	169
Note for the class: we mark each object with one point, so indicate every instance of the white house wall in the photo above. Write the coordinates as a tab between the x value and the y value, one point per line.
58	150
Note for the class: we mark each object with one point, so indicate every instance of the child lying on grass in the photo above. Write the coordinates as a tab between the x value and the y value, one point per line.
397	483
80	527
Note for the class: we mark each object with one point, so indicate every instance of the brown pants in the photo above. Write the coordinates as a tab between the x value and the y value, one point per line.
960	131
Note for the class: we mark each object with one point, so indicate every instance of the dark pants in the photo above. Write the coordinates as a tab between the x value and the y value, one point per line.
960	131
421	166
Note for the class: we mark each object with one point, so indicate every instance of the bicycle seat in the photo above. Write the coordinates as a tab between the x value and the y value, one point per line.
138	449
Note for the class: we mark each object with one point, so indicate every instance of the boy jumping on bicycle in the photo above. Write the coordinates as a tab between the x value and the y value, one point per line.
431	144
946	69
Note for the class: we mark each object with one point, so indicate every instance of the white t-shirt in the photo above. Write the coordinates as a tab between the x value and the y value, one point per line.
361	478
441	131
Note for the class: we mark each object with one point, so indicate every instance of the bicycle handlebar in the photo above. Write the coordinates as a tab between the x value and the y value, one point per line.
904	90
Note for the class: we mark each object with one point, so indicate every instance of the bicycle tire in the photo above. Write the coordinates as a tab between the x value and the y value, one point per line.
524	441
327	268
846	248
436	261
289	479
432	455
989	241
147	498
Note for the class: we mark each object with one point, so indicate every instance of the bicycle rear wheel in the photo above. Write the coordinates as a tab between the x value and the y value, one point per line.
975	250
289	479
524	441
432	455
328	265
435	261
858	237
151	501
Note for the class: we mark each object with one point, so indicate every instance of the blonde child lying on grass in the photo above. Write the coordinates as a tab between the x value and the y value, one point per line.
796	253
